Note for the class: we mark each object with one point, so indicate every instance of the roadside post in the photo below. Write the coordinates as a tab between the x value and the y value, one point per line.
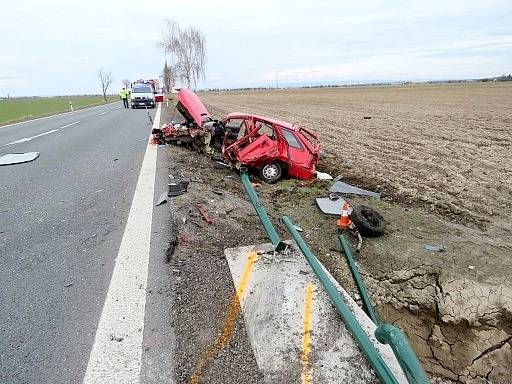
71	106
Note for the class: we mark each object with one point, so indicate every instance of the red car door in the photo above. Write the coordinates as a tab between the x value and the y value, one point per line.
301	162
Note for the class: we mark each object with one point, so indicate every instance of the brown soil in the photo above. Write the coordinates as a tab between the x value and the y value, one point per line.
203	287
440	157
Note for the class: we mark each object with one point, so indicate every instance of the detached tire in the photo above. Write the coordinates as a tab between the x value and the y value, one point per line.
367	220
271	173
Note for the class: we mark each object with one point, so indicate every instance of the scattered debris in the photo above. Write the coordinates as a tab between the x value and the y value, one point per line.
68	285
359	240
203	214
18	158
116	338
367	117
255	185
323	176
435	247
223	164
177	186
471	267
162	199
331	205
218	193
184	218
341	187
182	240
299	229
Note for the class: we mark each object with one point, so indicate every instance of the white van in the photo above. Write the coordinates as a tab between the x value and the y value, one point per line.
142	95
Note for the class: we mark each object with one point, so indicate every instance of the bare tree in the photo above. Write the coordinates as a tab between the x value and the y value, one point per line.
168	77
187	48
126	83
105	79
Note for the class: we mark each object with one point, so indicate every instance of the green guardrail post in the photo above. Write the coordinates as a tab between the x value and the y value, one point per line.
379	366
368	307
389	334
267	224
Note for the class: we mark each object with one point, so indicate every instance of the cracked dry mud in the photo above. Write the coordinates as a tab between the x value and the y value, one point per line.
440	155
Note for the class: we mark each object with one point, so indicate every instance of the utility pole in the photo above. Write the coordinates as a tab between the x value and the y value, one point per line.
277	82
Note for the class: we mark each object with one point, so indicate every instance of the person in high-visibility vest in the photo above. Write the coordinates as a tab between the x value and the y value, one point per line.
123	94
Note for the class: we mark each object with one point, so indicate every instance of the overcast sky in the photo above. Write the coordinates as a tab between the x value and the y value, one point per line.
55	47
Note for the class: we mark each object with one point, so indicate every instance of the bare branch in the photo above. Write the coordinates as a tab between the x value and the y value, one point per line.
105	79
187	49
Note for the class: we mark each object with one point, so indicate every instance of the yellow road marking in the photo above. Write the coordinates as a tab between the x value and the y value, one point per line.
229	321
306	335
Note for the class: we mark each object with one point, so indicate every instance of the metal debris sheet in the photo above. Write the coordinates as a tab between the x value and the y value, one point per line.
331	206
341	187
18	158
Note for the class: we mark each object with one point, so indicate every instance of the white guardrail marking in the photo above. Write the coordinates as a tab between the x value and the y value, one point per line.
117	350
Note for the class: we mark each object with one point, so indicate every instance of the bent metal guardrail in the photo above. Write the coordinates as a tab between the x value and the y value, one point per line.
368	307
386	334
267	224
389	334
379	366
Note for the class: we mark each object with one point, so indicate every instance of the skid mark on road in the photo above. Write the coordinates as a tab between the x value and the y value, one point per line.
117	350
229	321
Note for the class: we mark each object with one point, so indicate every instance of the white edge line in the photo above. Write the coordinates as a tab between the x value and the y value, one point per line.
59	114
116	354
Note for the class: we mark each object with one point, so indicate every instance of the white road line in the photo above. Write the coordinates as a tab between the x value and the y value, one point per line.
69	125
25	139
117	350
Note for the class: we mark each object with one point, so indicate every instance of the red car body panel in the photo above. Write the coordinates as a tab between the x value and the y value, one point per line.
193	106
293	146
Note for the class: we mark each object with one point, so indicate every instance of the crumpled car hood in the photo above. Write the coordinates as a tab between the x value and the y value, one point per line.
191	108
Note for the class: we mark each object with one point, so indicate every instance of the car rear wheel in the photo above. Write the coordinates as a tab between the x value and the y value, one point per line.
271	173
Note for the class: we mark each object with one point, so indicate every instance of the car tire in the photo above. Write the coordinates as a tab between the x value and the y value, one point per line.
271	173
367	220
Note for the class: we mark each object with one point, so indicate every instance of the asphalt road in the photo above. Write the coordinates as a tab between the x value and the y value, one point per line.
62	219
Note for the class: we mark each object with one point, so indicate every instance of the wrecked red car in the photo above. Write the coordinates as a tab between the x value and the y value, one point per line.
274	148
197	127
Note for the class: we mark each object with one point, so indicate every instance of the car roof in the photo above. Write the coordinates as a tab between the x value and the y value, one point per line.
239	115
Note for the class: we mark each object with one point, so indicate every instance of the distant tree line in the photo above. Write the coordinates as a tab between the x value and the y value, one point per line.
498	78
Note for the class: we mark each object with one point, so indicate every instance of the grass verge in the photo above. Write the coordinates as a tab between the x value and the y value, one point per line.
19	109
